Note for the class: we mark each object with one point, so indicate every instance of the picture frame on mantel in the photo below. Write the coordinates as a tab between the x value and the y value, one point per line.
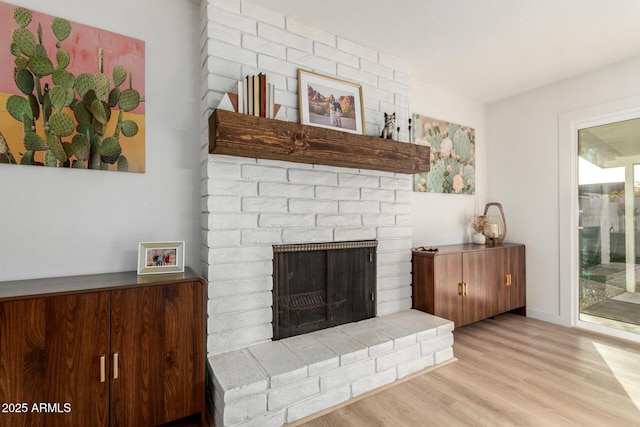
160	257
330	103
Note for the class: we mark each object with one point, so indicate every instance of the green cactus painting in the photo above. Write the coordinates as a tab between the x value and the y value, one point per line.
453	168
72	103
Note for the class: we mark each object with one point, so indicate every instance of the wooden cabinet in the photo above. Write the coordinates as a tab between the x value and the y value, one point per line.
466	283
447	283
127	350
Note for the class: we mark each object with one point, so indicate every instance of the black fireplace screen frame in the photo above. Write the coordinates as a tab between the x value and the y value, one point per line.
321	285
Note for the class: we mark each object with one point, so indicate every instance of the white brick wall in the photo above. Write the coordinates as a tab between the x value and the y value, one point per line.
243	38
251	204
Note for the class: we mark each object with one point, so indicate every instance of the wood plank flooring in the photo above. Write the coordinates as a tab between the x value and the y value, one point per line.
511	371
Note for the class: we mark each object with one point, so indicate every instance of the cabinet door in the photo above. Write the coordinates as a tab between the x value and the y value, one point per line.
448	301
517	280
50	351
157	335
474	275
508	279
498	294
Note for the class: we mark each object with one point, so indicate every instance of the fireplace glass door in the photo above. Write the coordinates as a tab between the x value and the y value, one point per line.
318	286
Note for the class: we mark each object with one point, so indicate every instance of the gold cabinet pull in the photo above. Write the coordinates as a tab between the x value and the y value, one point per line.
103	368
115	366
507	279
462	289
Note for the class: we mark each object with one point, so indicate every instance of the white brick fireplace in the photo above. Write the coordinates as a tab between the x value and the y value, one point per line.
254	204
251	204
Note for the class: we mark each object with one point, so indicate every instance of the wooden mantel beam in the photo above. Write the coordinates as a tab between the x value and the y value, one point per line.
258	137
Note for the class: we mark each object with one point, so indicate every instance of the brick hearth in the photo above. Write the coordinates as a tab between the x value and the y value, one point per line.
283	381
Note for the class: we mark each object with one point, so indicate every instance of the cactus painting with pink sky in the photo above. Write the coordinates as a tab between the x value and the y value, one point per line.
71	95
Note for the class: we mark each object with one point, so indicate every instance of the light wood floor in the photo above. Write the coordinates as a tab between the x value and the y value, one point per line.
512	370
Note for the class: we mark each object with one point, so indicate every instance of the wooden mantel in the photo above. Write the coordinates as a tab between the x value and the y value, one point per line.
258	137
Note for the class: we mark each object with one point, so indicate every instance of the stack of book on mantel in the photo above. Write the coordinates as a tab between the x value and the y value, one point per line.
256	96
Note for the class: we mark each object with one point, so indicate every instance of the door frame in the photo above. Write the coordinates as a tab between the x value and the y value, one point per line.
568	125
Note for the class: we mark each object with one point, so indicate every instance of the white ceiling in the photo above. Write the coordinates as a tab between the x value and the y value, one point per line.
485	50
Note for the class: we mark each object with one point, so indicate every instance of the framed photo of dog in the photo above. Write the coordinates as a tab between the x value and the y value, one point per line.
330	103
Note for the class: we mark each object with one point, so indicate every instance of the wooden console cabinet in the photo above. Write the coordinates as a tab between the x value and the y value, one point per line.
467	282
109	349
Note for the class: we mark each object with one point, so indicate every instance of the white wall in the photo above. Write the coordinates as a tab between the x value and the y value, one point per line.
440	219
526	176
67	222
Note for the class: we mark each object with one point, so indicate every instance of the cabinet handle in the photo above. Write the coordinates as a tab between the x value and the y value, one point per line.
508	279
103	368
115	366
462	289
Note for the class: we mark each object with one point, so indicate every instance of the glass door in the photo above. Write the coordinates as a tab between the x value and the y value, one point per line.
609	238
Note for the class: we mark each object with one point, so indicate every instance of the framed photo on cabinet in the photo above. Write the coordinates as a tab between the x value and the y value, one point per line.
160	257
